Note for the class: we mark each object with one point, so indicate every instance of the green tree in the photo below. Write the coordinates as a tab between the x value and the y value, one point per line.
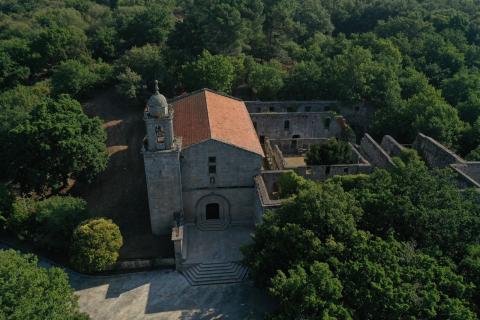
215	72
428	113
239	20
95	245
150	25
469	109
55	220
305	82
129	84
463	84
146	62
313	295
57	142
31	292
55	44
266	80
76	78
331	152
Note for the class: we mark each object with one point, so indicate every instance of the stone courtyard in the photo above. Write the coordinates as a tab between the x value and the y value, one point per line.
166	295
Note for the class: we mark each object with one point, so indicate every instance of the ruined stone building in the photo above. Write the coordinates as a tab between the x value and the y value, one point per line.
212	164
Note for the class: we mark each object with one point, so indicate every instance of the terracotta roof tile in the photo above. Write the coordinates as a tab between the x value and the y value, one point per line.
207	115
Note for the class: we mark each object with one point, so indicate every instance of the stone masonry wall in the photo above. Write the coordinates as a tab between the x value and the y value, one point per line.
372	151
162	171
435	154
300	125
391	146
233	185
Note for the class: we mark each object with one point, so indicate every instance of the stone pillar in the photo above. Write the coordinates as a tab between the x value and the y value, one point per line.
178	245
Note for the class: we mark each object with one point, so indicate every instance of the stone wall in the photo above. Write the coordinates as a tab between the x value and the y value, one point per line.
467	177
232	186
296	146
162	171
391	146
372	151
263	201
322	173
300	125
359	116
433	153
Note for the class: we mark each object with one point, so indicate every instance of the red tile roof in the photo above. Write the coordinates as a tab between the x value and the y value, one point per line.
205	115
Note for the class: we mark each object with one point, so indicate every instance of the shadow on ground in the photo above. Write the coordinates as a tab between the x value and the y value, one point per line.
120	192
166	295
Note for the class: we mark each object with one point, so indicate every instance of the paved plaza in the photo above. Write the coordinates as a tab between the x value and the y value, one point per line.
166	295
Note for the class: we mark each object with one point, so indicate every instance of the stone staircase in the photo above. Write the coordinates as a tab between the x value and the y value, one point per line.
215	273
213	225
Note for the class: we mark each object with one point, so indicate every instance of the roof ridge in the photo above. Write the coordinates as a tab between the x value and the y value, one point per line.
182	96
208	115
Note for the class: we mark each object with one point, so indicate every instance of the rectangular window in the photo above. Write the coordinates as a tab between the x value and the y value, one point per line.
212	169
308	109
272	109
212	159
286	125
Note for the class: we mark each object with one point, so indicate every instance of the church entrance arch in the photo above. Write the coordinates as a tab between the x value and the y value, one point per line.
212	211
212	208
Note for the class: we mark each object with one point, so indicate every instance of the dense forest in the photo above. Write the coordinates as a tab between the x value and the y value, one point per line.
399	244
415	61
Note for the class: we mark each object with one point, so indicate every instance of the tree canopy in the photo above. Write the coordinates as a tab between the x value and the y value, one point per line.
31	292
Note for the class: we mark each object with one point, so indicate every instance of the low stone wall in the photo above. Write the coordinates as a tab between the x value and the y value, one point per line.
433	153
322	173
263	201
466	178
372	151
391	146
142	264
471	169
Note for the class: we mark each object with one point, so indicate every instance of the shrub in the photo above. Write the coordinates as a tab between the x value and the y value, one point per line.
290	183
95	245
30	292
49	222
56	218
77	78
22	218
331	152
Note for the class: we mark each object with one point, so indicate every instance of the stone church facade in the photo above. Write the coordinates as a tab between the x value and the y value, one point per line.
201	155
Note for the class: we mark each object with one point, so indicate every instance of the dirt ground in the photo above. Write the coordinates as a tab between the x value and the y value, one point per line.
120	192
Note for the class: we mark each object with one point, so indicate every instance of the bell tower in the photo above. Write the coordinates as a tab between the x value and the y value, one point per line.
161	156
159	122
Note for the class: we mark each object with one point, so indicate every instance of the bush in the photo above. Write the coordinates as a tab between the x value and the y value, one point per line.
22	218
56	218
95	245
331	152
76	78
290	184
50	223
30	292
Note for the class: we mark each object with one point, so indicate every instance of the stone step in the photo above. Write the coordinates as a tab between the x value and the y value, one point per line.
215	273
212	226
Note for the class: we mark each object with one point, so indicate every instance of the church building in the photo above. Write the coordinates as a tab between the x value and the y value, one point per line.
201	155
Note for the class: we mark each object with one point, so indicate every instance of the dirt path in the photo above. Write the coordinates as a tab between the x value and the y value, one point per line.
120	192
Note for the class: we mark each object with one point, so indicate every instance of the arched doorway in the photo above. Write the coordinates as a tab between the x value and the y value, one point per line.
212	211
